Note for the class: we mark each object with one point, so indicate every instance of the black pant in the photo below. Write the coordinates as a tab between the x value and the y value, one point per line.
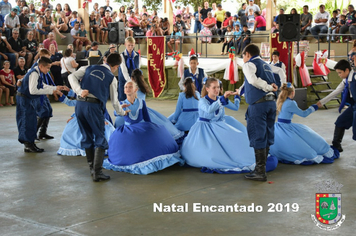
12	89
243	44
228	44
222	32
218	24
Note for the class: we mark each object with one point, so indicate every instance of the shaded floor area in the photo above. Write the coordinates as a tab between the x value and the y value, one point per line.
47	194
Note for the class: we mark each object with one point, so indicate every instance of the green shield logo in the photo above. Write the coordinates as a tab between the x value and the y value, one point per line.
328	207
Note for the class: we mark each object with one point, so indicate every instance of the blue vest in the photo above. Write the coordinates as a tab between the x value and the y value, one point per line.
352	85
198	81
97	80
279	64
129	69
264	71
24	88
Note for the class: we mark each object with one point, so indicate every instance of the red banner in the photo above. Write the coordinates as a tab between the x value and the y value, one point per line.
155	64
283	48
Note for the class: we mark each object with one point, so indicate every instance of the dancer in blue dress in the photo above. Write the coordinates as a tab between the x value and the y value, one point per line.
297	143
71	136
186	113
212	144
140	146
155	116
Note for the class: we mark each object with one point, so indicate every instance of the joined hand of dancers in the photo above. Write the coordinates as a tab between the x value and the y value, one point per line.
231	93
275	87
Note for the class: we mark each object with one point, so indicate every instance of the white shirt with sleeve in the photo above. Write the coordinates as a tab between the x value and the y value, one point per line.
67	62
33	82
249	69
11	21
320	16
338	89
79	74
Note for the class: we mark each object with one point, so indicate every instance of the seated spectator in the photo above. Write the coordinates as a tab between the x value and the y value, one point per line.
228	40
250	19
96	8
49	25
245	39
68	66
93	27
67	11
180	24
144	23
350	23
178	11
276	29
93	47
342	22
58	11
227	21
49	41
333	26
144	11
24	19
155	30
242	15
166	28
7	78
21	70
18	7
294	11
219	16
235	21
175	38
30	45
40	47
46	5
56	65
17	46
306	19
63	23
237	35
112	49
32	9
260	23
39	28
102	12
134	23
114	16
105	28
128	30
209	29
32	25
137	14
74	18
276	19
81	37
321	23
5	8
11	21
6	51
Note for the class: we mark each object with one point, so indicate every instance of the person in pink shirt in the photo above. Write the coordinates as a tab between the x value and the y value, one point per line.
260	23
209	26
50	40
134	23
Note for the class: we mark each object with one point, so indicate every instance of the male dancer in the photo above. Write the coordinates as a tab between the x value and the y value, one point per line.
348	88
32	88
97	82
259	89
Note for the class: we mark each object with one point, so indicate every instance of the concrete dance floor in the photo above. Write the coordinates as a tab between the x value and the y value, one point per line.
47	194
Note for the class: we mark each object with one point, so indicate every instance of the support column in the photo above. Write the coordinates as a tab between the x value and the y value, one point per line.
270	12
168	12
84	13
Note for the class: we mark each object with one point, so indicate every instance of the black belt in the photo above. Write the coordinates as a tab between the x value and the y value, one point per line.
20	94
267	98
88	99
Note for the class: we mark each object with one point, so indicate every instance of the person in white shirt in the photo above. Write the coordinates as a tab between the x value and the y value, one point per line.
253	6
321	20
11	21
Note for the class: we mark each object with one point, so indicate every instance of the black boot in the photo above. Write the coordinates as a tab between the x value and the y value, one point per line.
31	147
338	135
90	158
98	164
40	149
39	124
43	130
259	173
